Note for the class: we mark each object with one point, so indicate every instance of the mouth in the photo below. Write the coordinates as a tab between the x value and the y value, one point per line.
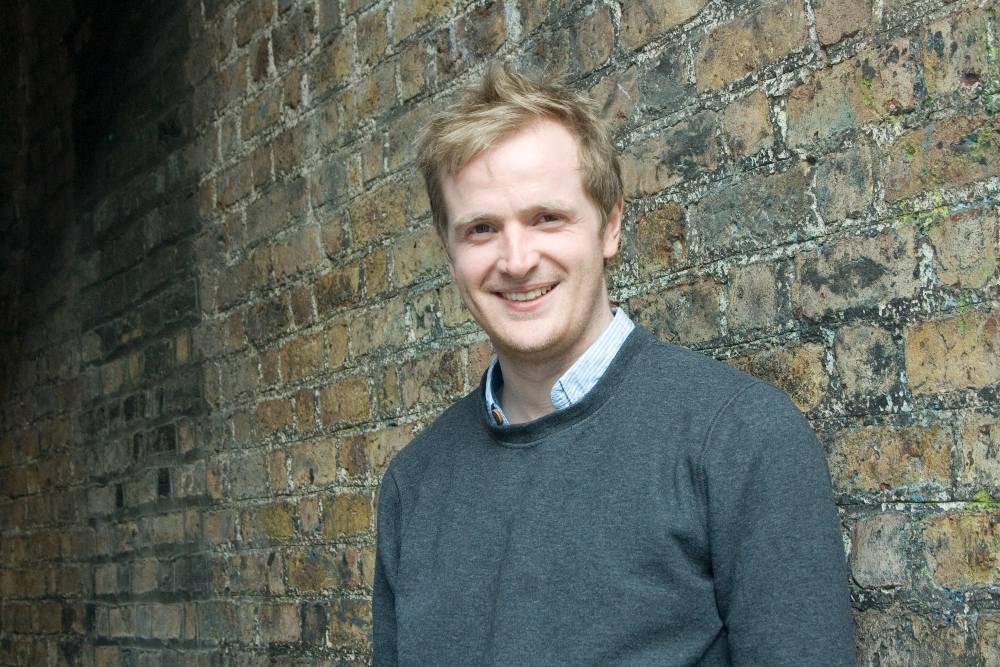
527	296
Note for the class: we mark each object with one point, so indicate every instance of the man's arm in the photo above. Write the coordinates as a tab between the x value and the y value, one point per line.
777	553
384	647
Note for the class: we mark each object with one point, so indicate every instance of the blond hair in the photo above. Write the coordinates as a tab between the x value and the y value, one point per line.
505	103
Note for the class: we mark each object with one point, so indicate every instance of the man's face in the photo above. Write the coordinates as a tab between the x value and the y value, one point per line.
525	246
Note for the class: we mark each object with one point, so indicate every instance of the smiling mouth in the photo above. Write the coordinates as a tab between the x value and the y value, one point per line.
527	296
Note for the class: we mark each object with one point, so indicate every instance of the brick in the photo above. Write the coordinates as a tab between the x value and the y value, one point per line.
348	514
955	52
337	289
251	19
376	266
946	153
272	416
644	20
373	156
349	622
313	463
361	101
372	36
432	379
279	623
535	12
837	19
352	455
345	401
752	295
145	575
264	523
746	125
424	310
292	91
412	17
267	319
233	184
333	64
960	548
867	361
380	212
751	43
682	153
305	409
758	211
168	528
261	63
685	314
295	146
906	461
902	637
302	305
874	85
381	327
302	357
453	311
418	257
959	352
294	35
856	272
168	620
336	340
262	112
965	248
616	97
878	551
595	39
844	187
979	433
277	209
380	446
797	369
412	71
988	633
269	367
247	475
314	571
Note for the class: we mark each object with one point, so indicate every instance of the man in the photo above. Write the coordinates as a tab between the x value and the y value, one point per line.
603	498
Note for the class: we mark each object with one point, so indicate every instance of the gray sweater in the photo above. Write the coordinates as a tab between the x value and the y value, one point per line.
680	514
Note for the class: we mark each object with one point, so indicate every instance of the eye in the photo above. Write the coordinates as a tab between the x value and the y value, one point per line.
481	228
549	217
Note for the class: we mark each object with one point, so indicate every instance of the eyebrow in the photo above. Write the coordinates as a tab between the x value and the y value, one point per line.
476	218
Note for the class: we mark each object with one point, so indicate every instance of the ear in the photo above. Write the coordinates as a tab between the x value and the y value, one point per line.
613	230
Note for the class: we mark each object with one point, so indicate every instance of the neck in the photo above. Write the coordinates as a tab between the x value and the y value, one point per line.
528	379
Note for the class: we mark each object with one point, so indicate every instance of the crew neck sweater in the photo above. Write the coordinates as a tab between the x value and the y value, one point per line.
679	514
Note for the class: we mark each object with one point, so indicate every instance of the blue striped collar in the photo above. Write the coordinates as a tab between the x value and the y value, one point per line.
581	376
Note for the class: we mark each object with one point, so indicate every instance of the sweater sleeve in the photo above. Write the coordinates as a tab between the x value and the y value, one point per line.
384	646
777	553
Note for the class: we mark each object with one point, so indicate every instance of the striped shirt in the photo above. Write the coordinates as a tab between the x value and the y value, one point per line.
581	376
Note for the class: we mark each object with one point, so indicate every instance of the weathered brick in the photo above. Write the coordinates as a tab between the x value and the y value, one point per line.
274	521
752	295
349	622
336	340
294	35
682	153
333	64
412	70
414	16
347	514
314	571
305	409
960	548
867	361
988	633
910	461
233	184
302	357
946	153
748	44
294	146
979	433
760	210
965	248
251	18
279	623
376	272
453	311
856	272
595	39
837	19
262	112
955	52
878	551
168	528
247	475
746	124
686	314
798	369
337	288
616	97
380	446
219	527
352	455
279	207
380	212
844	187
902	637
272	416
431	379
345	401
643	21
313	463
372	36
417	256
958	352
381	327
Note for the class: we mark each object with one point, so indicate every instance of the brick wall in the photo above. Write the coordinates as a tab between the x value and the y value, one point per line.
224	307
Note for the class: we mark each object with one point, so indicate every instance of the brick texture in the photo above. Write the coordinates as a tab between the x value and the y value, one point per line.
225	308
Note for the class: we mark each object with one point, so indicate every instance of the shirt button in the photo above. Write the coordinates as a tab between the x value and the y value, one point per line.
497	416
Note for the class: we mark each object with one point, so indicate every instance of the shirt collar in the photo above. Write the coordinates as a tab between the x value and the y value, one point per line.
581	377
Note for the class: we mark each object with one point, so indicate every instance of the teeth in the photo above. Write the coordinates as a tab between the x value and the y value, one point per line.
526	296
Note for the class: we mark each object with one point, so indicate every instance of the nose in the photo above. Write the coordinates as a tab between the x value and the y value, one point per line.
519	254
